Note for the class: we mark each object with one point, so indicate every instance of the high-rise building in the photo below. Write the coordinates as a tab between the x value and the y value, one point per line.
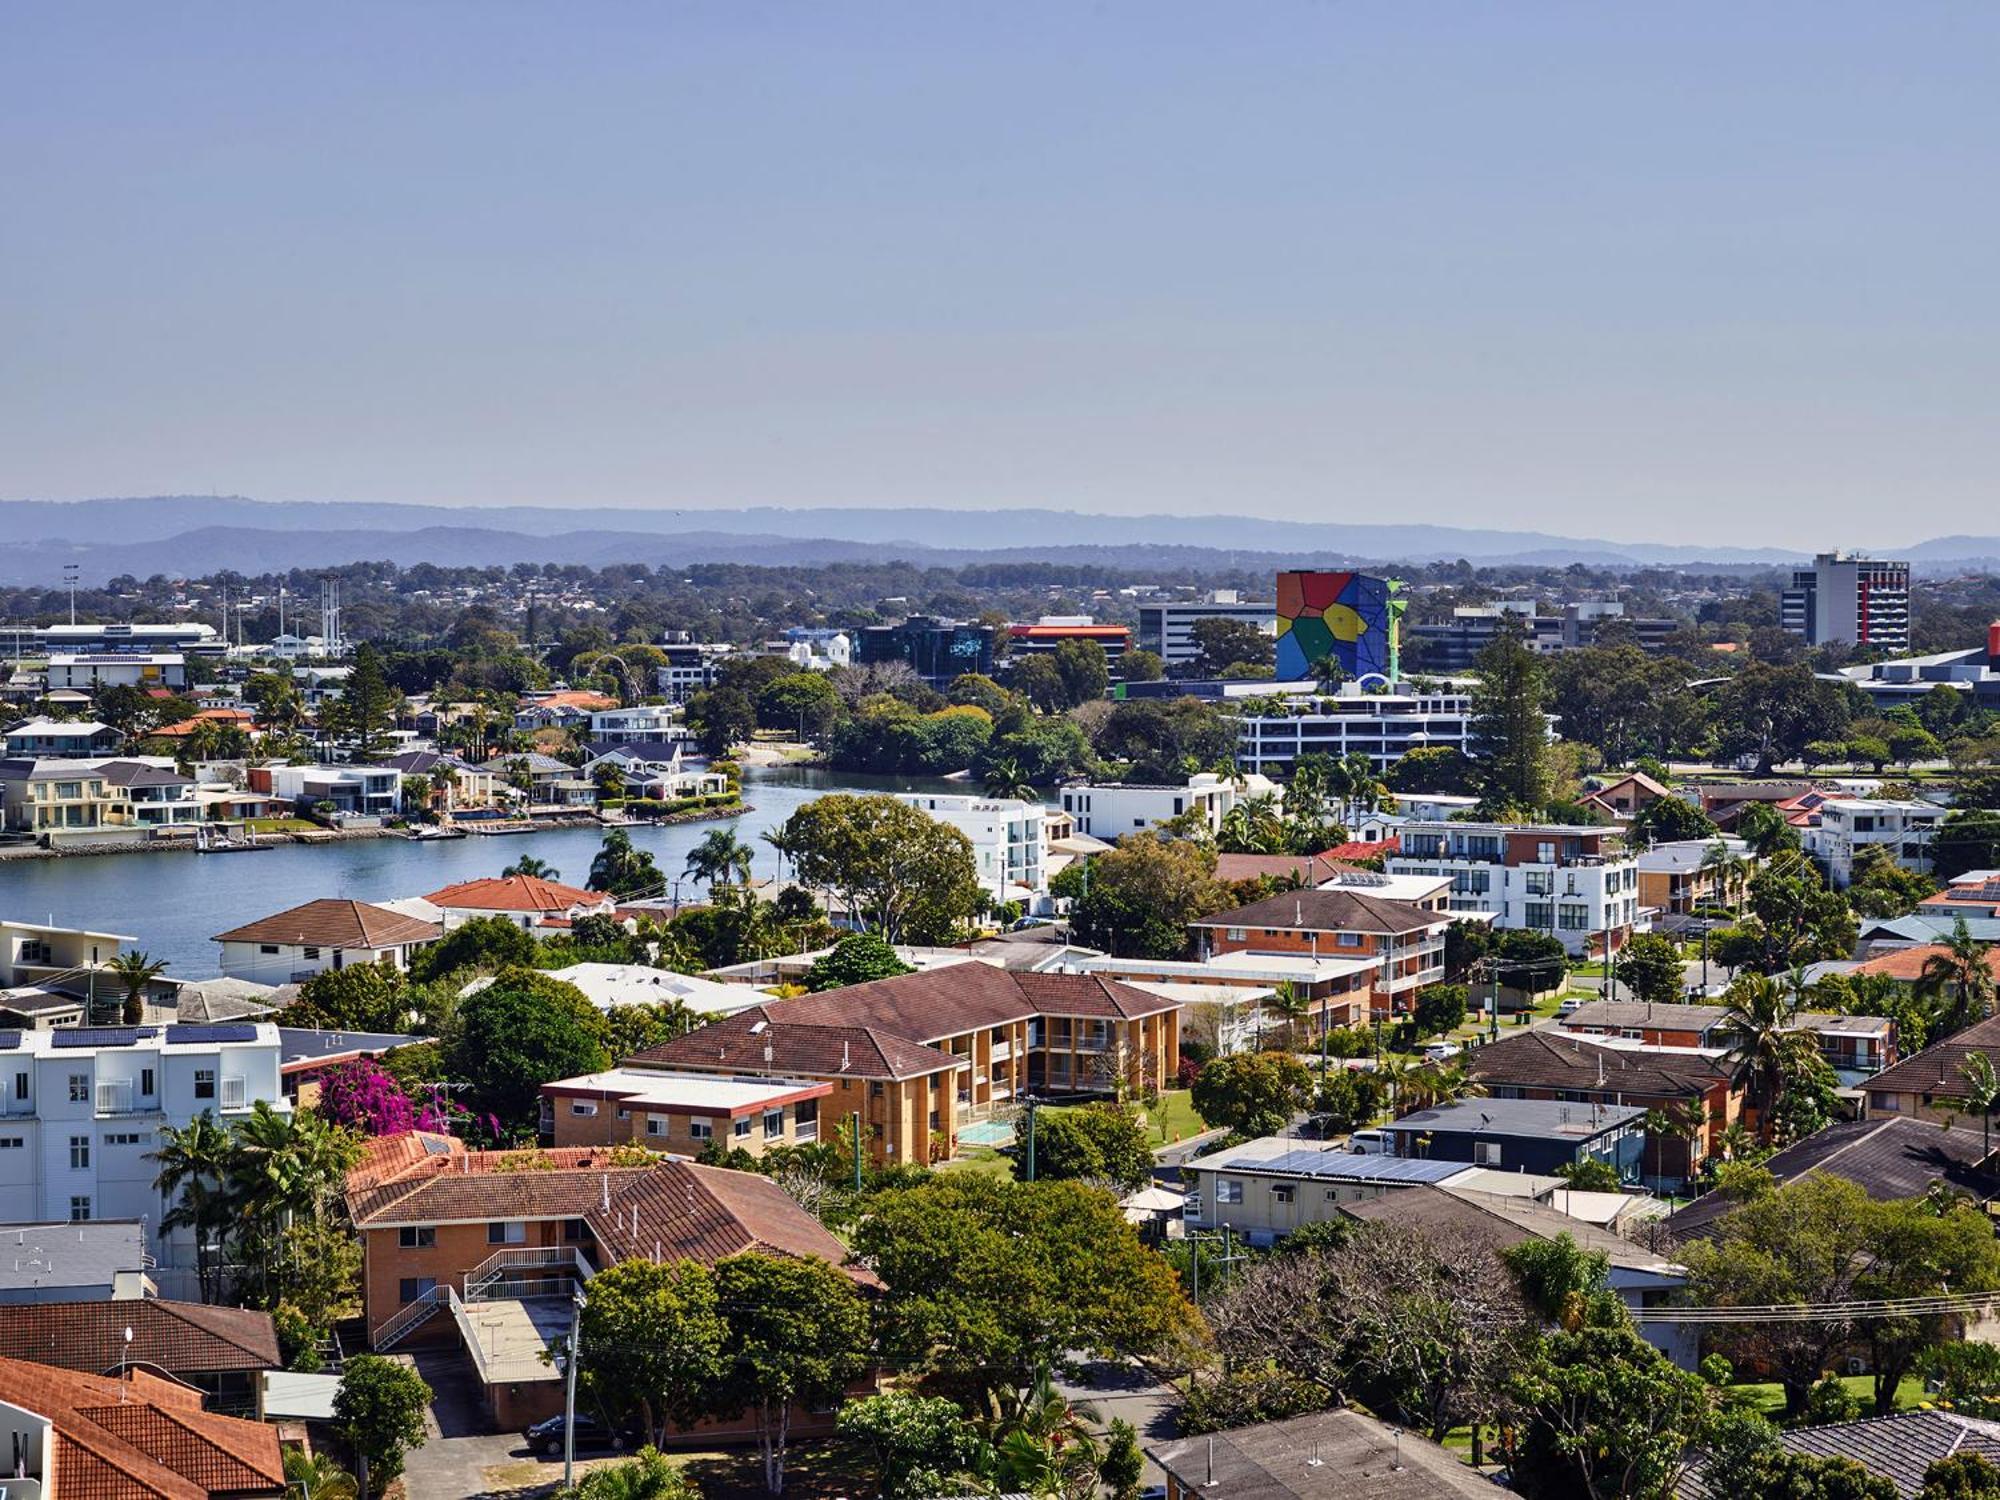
1858	601
1167	629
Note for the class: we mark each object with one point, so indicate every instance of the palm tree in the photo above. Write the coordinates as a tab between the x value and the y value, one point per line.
646	1475
1328	674
1294	1004
135	971
1729	869
1759	1011
1959	971
1007	778
315	1476
1043	1443
194	1161
527	864
1683	1122
718	857
1981	1094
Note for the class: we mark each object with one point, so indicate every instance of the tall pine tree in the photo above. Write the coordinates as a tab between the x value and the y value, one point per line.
1510	728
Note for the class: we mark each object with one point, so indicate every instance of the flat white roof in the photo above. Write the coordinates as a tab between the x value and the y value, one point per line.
706	1093
1249	968
608	986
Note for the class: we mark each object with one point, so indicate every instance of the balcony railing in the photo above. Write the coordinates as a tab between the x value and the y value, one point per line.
232	1093
115	1098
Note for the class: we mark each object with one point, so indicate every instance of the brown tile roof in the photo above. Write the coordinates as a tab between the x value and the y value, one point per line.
181	1338
461	1186
333	923
1310	868
515	893
702	1213
142	1439
1340	1454
1907	964
1936	1072
1336	910
884	1028
1545	1059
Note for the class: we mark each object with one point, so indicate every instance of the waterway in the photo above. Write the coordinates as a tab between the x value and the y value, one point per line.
174	903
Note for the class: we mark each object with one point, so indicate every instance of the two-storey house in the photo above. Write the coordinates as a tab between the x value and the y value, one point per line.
1855	1047
666	1110
329	933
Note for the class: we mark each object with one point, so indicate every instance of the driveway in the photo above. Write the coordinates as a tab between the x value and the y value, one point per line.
1122	1390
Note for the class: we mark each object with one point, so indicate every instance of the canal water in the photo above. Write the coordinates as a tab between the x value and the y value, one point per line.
175	903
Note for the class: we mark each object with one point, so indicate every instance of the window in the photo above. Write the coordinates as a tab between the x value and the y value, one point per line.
741	1129
512	1232
79	1209
1538	914
1486	1153
11	1142
79	1153
774	1123
655	1125
1228	1190
582	1107
416	1237
1571	917
79	1088
204	1083
1348	939
20	1085
311	953
132	1139
146	1081
701	1130
1237	934
271	948
410	1288
575	1231
1282	1192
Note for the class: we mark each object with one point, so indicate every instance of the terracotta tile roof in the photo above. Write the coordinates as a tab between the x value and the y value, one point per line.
571	698
686	1210
181	1338
1541	1059
883	1029
333	923
515	893
1329	911
477	1186
1907	964
142	1439
1937	1071
1308	868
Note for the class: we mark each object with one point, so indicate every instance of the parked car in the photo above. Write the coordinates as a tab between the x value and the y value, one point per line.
1369	1143
546	1436
1569	1007
1440	1051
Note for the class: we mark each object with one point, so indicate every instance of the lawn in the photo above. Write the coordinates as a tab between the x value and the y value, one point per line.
1174	1118
1770	1396
285	825
980	1159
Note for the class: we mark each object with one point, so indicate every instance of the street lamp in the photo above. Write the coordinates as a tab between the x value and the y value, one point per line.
579	1302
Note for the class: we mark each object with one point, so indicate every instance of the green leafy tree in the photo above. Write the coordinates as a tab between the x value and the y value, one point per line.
1564	1283
1222	644
379	1413
1091	1143
908	876
1085	672
360	997
483	943
1650	967
722	718
521	1031
1443	770
1668	820
1590	1175
1510	728
1883	888
1607	1416
857	958
797	1333
366	708
1040	681
1255	1093
1143	894
803	702
1959	979
1962	1476
1765	830
1440	1008
918	1445
647	1475
1141	666
622	869
987	1281
653	1342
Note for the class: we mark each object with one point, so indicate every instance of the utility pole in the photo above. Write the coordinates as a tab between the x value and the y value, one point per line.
1031	1106
569	1388
855	1119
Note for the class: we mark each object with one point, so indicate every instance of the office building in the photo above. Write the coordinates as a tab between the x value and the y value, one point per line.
1855	601
1382	726
1167	630
1051	631
936	650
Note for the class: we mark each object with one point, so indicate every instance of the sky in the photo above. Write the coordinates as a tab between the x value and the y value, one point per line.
1676	273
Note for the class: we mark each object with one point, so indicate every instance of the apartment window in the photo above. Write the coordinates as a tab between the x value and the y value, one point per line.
1545	852
655	1125
875	1090
1540	882
79	1153
11	1142
512	1232
1486	1153
774	1123
624	1113
79	1088
701	1130
411	1288
1228	1190
741	1128
79	1209
582	1107
1348	939
1571	917
146	1081
204	1083
1538	914
123	1140
416	1237
1237	934
20	1085
575	1231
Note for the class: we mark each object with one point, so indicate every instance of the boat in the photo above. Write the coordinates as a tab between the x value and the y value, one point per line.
433	834
208	840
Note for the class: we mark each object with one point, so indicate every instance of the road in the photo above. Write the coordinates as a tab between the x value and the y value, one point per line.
1122	1390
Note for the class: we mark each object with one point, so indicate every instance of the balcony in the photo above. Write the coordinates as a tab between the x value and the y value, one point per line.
233	1093
115	1098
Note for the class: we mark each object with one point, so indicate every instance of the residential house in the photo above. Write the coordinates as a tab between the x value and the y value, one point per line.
157	797
330	933
1899	1448
1528	1135
1932	1084
1226	998
681	1112
1541	1064
54	739
919	1055
1850	826
353	791
459	782
133	1436
1896	1157
306	1055
82	1107
217	1350
1855	1047
1680	877
1725	802
487	1247
1006	835
1579	883
1624	797
1338	1454
1111	809
1976	893
62	802
649	723
60	958
1264	1189
99	1261
559	708
545	781
609	986
527	900
1339	922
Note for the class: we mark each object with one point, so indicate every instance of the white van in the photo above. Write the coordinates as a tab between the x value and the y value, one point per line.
1369	1143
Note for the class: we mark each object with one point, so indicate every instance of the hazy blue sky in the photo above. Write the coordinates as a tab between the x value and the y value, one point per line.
1632	271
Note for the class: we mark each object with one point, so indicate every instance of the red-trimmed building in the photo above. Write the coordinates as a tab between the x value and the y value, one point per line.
1340	922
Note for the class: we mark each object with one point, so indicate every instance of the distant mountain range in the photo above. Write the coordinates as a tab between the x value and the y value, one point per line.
195	534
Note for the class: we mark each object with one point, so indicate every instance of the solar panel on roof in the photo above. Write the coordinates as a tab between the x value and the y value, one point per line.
1352	1164
179	1035
9	1041
99	1036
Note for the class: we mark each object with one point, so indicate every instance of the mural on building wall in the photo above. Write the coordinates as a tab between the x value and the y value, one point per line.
1350	617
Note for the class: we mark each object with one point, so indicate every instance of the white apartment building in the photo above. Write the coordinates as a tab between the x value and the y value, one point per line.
692	667
1382	726
1577	882
1167	630
624	726
1850	826
1856	600
82	1109
1111	809
364	791
1008	843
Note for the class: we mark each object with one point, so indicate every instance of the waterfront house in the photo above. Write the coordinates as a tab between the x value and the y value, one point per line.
54	739
526	900
329	933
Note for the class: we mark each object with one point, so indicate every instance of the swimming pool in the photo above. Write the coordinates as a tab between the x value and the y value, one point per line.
986	1133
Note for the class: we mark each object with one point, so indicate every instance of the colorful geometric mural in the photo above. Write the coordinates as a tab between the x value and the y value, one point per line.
1349	616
